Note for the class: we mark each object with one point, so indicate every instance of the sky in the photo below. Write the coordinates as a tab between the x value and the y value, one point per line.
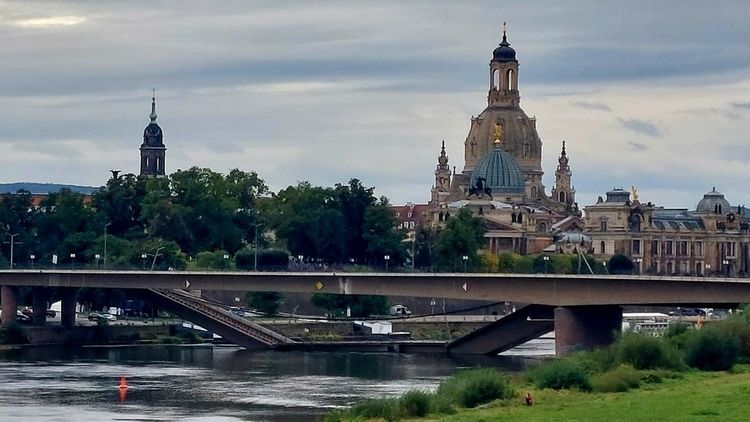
654	95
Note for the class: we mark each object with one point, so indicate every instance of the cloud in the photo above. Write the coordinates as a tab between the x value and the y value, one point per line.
641	126
48	21
593	105
742	105
637	146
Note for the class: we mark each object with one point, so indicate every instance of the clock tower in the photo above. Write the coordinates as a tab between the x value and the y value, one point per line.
153	150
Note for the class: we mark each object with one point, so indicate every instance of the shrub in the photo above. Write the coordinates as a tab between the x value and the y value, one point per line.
13	334
740	330
712	349
646	352
387	409
595	360
476	386
561	374
677	328
415	403
618	380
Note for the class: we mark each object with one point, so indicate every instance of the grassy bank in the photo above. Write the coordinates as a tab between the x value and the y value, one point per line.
689	374
698	396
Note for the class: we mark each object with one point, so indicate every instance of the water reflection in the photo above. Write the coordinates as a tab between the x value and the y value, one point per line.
208	384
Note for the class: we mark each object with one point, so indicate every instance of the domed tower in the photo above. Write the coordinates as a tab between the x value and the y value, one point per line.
563	191
442	178
504	118
153	151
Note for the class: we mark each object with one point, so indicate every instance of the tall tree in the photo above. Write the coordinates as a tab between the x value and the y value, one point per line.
462	236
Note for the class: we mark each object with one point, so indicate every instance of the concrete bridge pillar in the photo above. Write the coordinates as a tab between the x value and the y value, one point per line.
39	306
585	327
68	306
9	299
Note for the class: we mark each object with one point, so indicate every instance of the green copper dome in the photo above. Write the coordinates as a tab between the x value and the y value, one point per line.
500	171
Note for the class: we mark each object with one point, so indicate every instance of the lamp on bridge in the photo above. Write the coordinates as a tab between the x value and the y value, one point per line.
545	258
386	258
97	257
143	259
73	260
465	259
708	269
637	265
32	257
725	262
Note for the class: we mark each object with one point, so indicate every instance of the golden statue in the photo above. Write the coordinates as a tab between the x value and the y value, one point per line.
498	132
634	191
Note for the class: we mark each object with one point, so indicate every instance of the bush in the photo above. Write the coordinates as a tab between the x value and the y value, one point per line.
13	334
740	330
595	360
561	374
415	403
712	349
268	259
647	352
476	386
618	380
387	409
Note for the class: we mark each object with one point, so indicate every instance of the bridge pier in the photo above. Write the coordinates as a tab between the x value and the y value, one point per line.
39	305
9	299
68	306
585	327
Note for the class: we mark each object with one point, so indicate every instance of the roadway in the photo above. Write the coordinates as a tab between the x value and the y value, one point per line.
543	289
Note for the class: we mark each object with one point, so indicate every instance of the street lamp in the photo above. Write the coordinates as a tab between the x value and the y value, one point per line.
143	259
637	265
156	254
105	244
726	266
12	245
73	260
545	258
708	269
32	257
97	257
387	258
465	258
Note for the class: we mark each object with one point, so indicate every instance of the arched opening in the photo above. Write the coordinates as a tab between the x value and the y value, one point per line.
602	247
562	197
510	80
496	79
158	164
698	269
148	162
520	218
534	192
541	228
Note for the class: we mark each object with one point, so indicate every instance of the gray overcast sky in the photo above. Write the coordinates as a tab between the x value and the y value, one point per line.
651	94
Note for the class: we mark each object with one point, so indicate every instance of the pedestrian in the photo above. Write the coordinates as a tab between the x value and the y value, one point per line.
528	399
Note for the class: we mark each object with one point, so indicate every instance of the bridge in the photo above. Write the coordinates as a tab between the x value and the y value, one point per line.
585	309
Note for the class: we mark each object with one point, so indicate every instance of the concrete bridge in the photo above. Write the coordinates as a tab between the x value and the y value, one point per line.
585	308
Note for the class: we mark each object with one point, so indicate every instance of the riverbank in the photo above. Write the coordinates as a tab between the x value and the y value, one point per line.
699	395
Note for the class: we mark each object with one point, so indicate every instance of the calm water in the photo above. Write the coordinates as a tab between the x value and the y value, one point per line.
167	383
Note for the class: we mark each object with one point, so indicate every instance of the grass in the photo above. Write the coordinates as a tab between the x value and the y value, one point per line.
699	396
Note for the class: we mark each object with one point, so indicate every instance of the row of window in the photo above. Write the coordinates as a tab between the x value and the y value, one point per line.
406	225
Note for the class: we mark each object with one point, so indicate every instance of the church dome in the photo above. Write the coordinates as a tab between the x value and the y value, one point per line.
713	203
500	171
504	52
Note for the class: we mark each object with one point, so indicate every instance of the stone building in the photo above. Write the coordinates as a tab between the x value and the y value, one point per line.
153	151
713	239
501	180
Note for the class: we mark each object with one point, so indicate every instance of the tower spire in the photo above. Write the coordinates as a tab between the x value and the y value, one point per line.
505	31
153	115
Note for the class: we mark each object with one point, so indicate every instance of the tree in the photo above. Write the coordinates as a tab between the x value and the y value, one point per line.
354	199
380	234
264	302
620	264
462	236
425	240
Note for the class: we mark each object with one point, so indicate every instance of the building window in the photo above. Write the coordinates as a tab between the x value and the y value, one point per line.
668	248
602	225
698	248
411	224
541	228
636	247
602	247
654	248
682	249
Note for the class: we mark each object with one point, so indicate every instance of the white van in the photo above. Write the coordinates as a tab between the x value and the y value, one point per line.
400	311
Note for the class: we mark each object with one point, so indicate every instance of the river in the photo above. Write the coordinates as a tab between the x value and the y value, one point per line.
205	383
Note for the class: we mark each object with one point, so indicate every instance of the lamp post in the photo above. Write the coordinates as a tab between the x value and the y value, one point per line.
708	270
637	266
143	260
73	260
105	244
226	264
465	259
32	257
726	266
545	258
12	245
156	254
386	258
97	257
300	258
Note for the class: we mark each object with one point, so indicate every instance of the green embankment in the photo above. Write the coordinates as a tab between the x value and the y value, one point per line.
699	396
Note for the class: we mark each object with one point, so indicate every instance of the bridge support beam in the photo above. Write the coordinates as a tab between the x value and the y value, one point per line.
585	327
9	299
68	306
39	306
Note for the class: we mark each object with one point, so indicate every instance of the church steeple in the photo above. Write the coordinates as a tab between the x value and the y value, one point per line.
153	151
442	177
563	191
504	75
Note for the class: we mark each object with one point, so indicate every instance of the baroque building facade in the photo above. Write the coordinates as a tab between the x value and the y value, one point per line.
502	177
712	239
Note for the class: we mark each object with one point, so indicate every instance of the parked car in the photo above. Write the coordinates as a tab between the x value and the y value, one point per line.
690	312
22	318
29	312
400	311
96	316
239	311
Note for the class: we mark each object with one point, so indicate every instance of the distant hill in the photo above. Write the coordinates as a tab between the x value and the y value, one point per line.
44	188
